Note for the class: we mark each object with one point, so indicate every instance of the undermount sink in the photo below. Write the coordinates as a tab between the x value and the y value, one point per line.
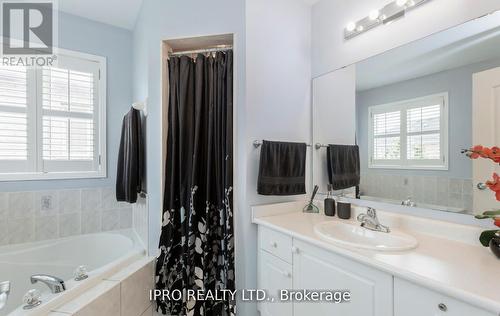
359	237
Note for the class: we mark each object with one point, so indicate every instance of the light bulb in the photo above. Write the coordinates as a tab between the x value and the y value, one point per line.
401	3
374	15
360	28
351	26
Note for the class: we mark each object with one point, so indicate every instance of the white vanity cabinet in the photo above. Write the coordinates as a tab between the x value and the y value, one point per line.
284	263
413	300
289	263
318	269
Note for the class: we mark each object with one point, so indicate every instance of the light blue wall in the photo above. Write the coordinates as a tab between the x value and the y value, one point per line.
115	44
458	83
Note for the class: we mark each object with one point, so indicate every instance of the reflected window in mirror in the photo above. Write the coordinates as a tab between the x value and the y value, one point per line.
410	134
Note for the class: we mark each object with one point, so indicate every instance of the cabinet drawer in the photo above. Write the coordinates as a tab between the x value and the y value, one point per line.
413	300
276	243
274	275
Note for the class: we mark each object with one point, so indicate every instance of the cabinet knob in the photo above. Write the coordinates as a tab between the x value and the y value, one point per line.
295	249
442	307
274	244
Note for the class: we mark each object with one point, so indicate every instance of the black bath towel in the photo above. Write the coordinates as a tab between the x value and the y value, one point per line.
130	169
282	168
343	166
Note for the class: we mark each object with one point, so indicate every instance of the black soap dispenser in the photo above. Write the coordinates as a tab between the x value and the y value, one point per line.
330	202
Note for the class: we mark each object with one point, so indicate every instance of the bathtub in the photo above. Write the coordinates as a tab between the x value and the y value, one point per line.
103	254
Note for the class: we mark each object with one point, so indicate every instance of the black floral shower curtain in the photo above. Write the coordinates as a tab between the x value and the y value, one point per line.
197	241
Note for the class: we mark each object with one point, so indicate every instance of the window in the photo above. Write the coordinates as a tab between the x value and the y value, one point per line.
410	134
52	119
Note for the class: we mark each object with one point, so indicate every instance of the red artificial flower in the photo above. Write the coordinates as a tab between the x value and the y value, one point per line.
495	154
497	221
479	151
495	185
475	152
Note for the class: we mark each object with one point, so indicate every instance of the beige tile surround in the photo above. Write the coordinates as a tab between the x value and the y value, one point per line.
123	294
41	215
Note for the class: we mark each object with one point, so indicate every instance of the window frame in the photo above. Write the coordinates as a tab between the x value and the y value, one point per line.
35	130
404	163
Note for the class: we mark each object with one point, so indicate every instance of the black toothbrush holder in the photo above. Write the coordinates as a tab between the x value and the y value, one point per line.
344	210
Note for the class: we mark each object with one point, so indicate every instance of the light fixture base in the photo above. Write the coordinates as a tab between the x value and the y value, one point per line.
389	13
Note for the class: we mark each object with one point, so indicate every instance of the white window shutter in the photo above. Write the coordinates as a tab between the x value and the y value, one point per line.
424	132
410	134
53	119
386	132
68	115
15	133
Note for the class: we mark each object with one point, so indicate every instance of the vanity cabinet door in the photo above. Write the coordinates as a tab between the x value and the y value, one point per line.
413	300
318	269
274	275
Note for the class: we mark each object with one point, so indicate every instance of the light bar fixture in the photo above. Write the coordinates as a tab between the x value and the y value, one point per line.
392	11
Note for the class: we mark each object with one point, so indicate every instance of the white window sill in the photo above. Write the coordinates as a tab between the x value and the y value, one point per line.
423	167
51	176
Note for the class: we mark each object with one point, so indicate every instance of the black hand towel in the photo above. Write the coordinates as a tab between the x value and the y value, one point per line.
130	167
343	166
282	168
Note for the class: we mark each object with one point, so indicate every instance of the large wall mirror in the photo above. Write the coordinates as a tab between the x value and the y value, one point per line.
418	106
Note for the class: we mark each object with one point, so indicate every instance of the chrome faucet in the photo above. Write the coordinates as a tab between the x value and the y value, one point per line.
409	202
4	293
55	284
370	221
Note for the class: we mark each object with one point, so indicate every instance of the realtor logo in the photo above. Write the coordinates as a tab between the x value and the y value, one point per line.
27	28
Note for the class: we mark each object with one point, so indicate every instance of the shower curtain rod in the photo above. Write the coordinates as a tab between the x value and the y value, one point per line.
206	50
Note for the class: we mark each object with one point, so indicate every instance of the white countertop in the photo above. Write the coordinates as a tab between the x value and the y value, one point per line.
462	270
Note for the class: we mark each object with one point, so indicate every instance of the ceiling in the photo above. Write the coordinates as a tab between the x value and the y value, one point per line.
469	43
120	13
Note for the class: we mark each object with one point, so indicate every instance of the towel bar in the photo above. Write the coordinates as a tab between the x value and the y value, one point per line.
258	143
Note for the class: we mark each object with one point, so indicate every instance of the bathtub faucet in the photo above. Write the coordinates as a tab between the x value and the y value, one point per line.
55	284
